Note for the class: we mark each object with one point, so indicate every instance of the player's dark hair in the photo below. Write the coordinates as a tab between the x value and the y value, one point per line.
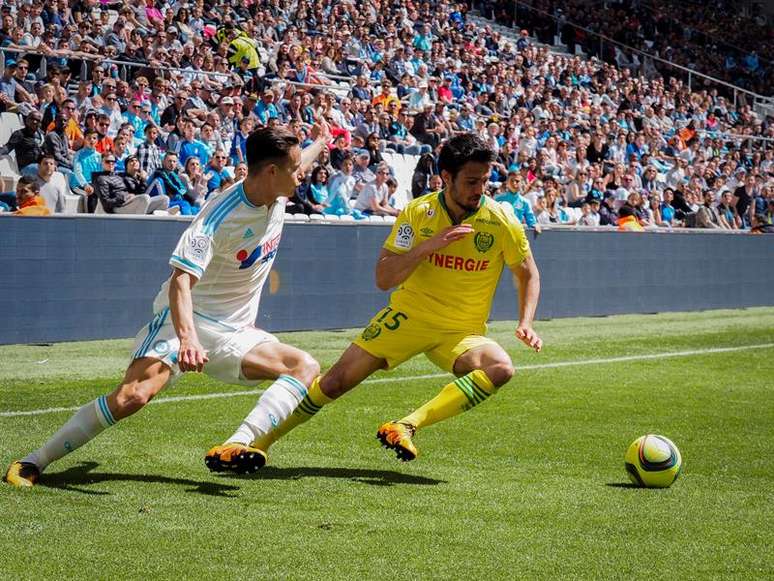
461	149
269	145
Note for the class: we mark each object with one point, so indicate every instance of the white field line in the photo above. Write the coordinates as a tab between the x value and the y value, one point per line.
602	361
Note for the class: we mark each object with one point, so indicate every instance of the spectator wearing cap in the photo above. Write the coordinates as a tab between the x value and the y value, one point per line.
57	144
419	98
28	201
265	109
8	87
27	142
86	162
51	184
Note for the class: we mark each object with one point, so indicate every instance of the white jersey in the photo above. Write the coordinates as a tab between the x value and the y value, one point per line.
230	248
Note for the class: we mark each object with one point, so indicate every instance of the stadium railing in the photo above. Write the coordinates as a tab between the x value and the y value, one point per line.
760	102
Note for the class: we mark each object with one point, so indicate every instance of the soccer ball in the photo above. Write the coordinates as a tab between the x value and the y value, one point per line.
653	461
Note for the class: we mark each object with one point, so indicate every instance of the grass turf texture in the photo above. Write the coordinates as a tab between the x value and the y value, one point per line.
529	484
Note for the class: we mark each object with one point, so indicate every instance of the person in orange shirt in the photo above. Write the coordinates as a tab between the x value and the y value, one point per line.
28	200
71	126
627	220
105	142
386	97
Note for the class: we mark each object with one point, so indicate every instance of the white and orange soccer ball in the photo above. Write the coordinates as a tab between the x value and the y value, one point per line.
653	461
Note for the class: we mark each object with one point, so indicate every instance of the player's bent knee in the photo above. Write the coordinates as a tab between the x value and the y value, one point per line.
305	369
132	397
500	373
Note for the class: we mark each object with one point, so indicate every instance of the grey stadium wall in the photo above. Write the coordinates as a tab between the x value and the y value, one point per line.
89	277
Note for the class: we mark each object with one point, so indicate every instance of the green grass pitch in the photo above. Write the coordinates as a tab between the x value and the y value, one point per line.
529	485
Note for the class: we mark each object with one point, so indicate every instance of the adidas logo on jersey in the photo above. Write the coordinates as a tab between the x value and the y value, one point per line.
248	234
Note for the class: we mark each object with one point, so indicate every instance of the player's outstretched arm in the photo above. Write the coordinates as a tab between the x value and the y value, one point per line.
529	292
191	356
321	133
393	269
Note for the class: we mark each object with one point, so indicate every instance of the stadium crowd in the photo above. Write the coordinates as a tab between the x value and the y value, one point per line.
714	38
146	107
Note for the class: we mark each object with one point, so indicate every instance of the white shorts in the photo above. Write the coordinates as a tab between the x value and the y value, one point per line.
226	346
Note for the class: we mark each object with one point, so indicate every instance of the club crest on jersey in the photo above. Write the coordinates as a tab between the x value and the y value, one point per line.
483	241
371	332
426	232
265	252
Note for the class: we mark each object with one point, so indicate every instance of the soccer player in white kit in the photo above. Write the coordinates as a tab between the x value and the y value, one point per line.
205	312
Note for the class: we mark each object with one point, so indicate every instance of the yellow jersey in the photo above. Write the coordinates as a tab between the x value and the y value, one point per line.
454	286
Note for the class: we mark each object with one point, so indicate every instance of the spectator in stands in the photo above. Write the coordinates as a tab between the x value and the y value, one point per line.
190	146
134	178
28	201
26	143
362	172
760	225
52	185
148	152
420	180
374	197
707	216
57	144
743	197
341	189
238	151
373	147
86	162
104	141
513	197
166	181
318	187
729	217
114	195
218	177
627	220
196	184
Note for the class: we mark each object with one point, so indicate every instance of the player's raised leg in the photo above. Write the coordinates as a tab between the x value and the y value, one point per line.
480	372
143	380
293	372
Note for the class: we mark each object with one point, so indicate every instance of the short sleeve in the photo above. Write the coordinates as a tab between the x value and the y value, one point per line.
193	251
515	246
403	236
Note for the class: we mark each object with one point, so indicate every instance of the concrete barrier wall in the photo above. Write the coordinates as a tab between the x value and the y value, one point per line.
86	277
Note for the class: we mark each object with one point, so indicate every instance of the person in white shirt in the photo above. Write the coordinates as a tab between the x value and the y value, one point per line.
374	198
205	313
53	186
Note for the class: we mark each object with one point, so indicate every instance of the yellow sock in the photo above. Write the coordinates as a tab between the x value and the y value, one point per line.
458	396
312	403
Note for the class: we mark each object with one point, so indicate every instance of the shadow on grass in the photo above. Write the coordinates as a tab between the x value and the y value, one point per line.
372	477
75	478
622	485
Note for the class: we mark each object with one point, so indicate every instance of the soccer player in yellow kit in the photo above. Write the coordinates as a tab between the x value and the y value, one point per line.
445	255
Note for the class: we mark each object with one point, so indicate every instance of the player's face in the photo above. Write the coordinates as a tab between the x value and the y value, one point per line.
288	175
469	186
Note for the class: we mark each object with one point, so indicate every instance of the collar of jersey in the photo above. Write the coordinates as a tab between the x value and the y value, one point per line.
442	201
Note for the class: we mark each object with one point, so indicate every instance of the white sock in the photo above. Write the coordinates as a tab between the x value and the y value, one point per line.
273	408
86	424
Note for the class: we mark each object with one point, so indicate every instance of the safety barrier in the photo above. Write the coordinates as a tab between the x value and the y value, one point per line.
79	277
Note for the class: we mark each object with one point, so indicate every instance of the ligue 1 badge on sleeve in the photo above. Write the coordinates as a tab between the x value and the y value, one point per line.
199	245
483	241
405	237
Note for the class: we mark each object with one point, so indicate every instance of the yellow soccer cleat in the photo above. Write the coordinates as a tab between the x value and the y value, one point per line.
235	458
22	475
397	436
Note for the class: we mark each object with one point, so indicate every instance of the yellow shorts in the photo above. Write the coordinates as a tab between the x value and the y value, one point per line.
396	337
